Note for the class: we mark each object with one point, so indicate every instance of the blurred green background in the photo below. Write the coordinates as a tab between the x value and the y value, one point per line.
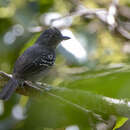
90	68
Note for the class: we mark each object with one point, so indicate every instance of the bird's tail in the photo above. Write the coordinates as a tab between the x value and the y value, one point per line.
8	89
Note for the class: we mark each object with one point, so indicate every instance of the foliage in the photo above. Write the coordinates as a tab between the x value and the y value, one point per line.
90	92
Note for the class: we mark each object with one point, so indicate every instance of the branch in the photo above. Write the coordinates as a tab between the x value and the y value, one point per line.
123	32
93	105
27	90
99	104
107	16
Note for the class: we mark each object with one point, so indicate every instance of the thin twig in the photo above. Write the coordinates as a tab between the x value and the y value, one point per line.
107	16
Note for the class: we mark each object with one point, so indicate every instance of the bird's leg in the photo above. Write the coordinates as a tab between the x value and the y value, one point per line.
22	84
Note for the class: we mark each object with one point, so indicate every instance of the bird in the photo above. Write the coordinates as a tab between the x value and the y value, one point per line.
35	62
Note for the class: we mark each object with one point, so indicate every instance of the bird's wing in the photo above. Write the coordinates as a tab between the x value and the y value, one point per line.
33	61
43	61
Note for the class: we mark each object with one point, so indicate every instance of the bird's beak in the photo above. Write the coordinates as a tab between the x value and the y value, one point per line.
65	38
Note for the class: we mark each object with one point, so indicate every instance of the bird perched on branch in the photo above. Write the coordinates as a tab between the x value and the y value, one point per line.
35	62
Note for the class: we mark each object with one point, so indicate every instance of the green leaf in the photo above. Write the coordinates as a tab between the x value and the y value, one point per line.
60	107
108	82
30	43
120	122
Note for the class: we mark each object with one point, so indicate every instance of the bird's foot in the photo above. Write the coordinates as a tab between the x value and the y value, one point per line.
33	85
38	85
43	86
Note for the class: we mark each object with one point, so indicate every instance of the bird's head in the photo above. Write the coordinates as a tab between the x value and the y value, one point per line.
51	37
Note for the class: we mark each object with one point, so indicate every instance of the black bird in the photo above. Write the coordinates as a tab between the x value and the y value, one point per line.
35	62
